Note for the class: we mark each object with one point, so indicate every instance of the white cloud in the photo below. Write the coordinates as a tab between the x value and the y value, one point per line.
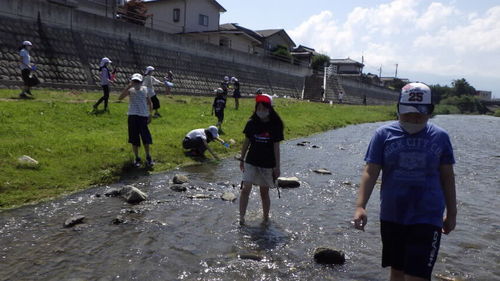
435	16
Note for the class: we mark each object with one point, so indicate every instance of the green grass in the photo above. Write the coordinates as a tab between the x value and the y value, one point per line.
77	149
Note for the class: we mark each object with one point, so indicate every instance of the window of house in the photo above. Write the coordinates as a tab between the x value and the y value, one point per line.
177	15
225	42
203	20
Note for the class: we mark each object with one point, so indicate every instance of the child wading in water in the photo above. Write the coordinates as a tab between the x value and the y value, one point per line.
139	116
218	106
261	165
149	81
105	80
418	184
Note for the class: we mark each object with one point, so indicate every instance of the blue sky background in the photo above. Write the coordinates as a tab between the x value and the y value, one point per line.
431	41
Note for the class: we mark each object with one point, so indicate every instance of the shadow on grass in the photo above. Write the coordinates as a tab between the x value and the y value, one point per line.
98	112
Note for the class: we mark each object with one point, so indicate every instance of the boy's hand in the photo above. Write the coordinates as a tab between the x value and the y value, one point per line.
360	219
149	119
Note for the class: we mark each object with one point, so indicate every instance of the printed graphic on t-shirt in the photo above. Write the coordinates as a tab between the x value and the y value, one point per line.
263	137
412	166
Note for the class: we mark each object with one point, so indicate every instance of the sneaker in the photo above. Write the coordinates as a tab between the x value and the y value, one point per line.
23	96
95	106
150	161
137	162
157	114
28	92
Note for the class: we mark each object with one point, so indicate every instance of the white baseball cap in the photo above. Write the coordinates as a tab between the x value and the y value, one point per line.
148	69
136	77
415	98
27	43
214	131
219	91
104	61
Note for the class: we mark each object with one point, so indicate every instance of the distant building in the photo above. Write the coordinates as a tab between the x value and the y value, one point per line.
271	38
484	95
304	54
347	66
184	16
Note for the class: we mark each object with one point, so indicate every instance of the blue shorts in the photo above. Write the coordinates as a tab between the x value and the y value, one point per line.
237	94
138	129
412	249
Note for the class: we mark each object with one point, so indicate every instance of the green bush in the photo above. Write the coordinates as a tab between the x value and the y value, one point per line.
497	113
465	104
443	109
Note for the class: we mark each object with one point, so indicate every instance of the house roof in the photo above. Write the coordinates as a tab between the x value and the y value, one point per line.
345	61
221	9
270	32
236	27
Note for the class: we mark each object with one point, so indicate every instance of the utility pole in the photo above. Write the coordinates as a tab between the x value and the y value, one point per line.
380	71
396	75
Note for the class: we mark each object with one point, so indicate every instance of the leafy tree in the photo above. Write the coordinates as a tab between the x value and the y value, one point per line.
318	61
440	92
462	88
398	84
134	11
281	52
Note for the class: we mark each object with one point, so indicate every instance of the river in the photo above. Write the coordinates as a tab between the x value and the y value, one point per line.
173	237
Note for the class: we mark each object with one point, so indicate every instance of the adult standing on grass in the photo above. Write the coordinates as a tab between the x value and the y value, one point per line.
27	69
197	141
261	165
139	116
418	182
149	81
236	92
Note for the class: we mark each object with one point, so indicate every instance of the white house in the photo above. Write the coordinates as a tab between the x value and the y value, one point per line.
184	16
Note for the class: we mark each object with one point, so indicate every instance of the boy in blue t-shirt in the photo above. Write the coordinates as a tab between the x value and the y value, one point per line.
418	182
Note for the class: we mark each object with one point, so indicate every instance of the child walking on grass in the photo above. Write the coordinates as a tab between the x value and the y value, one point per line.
149	81
139	116
218	107
261	165
105	80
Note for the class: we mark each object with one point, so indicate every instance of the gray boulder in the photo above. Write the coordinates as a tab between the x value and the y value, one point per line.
179	187
290	182
179	179
112	192
326	255
73	221
322	171
228	196
132	194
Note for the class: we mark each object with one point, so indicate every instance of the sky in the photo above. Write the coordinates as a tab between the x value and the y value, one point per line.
434	42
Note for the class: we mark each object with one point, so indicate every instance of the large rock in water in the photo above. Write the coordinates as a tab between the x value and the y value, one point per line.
73	221
228	196
326	255
132	194
288	182
179	179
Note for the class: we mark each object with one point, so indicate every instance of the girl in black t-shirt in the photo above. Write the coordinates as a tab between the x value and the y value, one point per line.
261	165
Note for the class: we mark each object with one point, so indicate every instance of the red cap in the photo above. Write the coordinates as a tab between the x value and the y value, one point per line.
264	98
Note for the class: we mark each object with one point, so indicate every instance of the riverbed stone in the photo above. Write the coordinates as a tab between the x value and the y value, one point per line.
328	255
132	194
228	196
322	171
179	179
200	196
290	182
73	221
254	257
179	187
112	192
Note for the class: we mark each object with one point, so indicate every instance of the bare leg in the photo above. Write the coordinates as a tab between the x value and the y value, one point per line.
146	149
266	201
237	103
136	151
244	195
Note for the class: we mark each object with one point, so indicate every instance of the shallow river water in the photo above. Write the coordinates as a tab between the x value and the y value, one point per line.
173	237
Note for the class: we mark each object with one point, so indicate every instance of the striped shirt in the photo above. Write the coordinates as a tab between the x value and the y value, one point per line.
138	102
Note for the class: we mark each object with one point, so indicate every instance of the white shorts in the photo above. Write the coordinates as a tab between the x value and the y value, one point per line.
258	176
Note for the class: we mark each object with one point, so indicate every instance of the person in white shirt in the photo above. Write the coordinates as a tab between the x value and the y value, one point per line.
27	69
139	116
149	81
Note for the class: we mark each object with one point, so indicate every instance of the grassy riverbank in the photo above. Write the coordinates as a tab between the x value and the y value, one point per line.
77	149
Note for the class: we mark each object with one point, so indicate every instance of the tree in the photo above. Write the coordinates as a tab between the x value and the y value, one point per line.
462	88
281	52
440	93
318	61
134	11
